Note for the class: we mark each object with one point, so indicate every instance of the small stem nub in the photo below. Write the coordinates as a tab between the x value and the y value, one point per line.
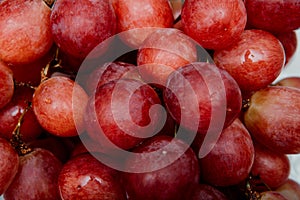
16	141
245	104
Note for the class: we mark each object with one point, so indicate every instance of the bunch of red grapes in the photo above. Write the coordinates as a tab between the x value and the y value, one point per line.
148	99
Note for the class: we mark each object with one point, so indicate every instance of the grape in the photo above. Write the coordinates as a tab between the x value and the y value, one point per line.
162	52
136	18
290	190
290	82
53	144
272	195
254	61
79	26
231	158
262	14
206	192
30	128
214	24
120	111
25	33
169	182
59	104
86	145
84	177
272	168
196	92
289	43
9	161
273	118
21	71
6	84
36	178
110	72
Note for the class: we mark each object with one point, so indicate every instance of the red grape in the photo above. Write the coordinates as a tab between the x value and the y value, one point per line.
290	82
54	145
273	16
214	24
110	72
231	158
9	160
255	61
25	33
289	43
162	52
84	177
59	104
79	26
272	195
30	128
272	168
170	180
6	84
290	190
86	145
37	177
21	71
206	192
136	18
273	118
121	111
200	94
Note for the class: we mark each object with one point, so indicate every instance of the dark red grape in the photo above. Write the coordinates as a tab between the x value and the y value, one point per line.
214	24
30	128
59	105
9	160
21	71
273	118
289	43
86	145
84	177
25	33
254	61
79	26
53	144
120	110
176	170
206	192
110	72
6	84
273	16
136	18
231	158
37	177
272	168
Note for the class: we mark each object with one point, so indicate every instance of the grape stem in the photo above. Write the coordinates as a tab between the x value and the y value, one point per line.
254	185
54	63
16	141
22	84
